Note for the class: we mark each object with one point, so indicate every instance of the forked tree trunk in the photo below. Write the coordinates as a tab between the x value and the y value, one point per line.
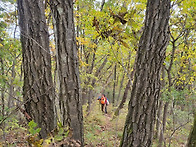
38	90
93	83
161	137
139	125
68	67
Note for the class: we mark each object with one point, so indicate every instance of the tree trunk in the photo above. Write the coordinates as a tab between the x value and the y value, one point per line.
90	89
11	86
114	86
68	68
94	82
38	90
161	136
159	111
158	122
192	135
2	90
123	99
139	125
120	88
3	99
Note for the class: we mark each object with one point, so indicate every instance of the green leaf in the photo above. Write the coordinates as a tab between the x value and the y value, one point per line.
58	137
32	124
32	129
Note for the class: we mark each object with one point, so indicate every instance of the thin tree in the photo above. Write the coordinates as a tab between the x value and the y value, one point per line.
38	90
139	125
192	135
68	67
114	85
127	88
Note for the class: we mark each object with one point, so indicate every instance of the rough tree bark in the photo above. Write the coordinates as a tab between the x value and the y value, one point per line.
68	67
139	125
38	90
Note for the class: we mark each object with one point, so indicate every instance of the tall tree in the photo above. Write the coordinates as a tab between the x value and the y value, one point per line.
38	90
114	85
67	67
2	89
139	125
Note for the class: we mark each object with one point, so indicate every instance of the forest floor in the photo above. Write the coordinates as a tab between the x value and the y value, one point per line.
100	130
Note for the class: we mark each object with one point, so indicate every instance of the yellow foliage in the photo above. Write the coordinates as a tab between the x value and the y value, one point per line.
77	15
82	40
117	28
92	45
83	63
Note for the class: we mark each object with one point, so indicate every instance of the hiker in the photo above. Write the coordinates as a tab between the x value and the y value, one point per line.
104	102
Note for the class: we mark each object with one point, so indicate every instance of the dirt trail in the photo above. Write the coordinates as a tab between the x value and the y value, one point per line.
104	129
107	123
108	119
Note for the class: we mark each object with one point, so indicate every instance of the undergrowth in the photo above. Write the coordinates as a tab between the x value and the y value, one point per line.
100	129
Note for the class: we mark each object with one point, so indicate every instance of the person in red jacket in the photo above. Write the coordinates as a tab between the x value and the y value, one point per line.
104	102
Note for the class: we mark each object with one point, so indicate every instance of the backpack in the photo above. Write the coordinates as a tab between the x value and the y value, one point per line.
107	102
102	100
